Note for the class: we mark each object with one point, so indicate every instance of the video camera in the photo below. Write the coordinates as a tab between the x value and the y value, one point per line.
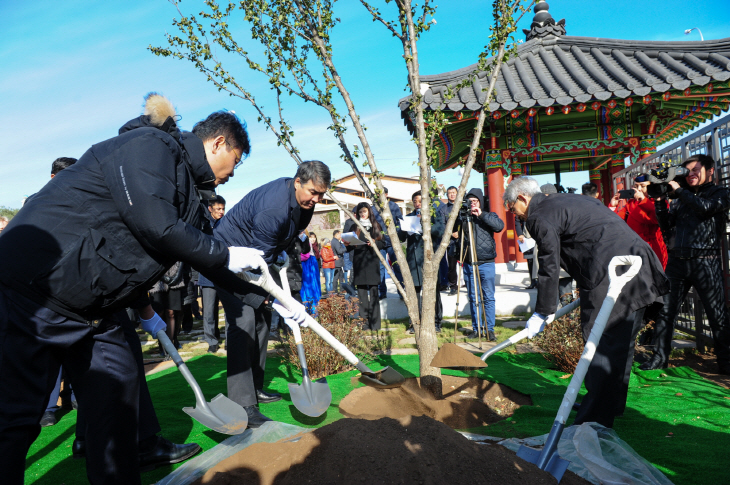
465	209
662	175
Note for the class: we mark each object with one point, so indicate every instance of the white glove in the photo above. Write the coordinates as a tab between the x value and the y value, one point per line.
297	315
245	259
537	322
153	325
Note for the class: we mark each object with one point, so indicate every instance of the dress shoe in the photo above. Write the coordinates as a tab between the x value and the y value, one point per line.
410	331
438	328
452	291
655	362
162	452
212	349
533	284
48	419
576	406
267	397
165	452
473	335
443	288
492	337
78	449
255	418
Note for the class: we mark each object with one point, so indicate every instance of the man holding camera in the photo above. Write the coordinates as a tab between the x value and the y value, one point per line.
697	217
479	274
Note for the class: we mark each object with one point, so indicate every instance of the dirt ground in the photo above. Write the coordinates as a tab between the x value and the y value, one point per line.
704	365
467	403
412	450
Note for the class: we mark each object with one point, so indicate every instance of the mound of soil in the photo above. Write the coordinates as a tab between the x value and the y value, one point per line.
453	356
467	402
414	450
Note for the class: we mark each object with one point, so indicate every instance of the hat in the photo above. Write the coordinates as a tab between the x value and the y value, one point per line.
642	178
548	189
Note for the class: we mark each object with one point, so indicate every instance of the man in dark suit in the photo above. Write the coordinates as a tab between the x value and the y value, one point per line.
582	235
268	219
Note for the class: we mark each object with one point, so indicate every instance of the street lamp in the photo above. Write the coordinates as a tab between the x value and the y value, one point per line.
686	32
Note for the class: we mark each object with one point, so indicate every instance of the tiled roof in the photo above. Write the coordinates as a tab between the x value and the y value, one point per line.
554	69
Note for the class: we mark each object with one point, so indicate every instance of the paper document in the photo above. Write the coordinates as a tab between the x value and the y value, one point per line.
351	238
411	224
526	245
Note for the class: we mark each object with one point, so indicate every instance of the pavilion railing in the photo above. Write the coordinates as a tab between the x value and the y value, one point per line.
712	140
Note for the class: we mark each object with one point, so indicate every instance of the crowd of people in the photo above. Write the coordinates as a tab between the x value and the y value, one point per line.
114	242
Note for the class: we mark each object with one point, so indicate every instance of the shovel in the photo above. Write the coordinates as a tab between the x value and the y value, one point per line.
548	458
383	379
443	362
220	414
311	398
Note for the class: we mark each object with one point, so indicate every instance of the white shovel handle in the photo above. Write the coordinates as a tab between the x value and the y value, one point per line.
615	285
265	282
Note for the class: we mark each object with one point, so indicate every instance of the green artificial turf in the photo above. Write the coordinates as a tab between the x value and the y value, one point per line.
695	411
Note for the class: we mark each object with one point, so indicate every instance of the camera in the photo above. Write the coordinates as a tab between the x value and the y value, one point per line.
465	209
662	175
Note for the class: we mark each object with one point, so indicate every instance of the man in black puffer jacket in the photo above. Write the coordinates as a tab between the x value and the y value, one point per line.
485	224
698	217
86	246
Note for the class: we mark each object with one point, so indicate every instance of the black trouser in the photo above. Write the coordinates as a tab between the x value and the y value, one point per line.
705	274
369	304
34	342
453	271
148	424
211	331
248	337
439	307
607	379
338	279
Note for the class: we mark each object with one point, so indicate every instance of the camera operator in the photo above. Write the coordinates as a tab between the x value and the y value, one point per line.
485	224
697	216
640	214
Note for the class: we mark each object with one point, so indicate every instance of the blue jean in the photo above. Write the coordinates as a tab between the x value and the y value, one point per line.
382	288
486	277
329	273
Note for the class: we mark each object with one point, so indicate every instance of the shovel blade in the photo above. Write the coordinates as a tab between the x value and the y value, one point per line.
222	415
385	378
555	465
311	404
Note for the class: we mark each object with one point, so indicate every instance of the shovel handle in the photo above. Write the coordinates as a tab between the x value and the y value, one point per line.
615	285
265	282
183	368
523	334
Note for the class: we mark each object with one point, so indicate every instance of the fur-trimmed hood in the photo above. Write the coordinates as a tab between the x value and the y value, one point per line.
158	113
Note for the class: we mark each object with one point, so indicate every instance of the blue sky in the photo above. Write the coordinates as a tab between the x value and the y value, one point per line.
74	71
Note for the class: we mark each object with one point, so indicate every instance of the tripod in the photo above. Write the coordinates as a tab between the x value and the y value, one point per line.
477	281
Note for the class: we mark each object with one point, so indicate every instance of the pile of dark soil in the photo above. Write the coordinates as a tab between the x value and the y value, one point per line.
467	402
414	450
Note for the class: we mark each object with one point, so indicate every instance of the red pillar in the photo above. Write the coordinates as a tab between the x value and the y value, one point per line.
519	258
606	185
495	185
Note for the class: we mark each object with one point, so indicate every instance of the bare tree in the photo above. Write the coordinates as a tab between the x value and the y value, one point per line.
299	61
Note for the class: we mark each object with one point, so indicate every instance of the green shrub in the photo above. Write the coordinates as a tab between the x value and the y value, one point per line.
334	314
562	342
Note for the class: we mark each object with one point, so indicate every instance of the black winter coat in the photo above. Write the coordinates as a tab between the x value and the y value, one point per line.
100	233
484	228
338	248
695	222
294	274
581	235
365	263
414	245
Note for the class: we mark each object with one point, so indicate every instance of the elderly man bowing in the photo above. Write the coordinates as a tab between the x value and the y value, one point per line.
582	236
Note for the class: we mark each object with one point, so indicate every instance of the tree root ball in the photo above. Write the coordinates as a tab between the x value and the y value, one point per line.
467	402
413	450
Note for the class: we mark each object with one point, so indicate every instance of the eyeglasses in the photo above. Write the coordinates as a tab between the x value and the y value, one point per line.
239	160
